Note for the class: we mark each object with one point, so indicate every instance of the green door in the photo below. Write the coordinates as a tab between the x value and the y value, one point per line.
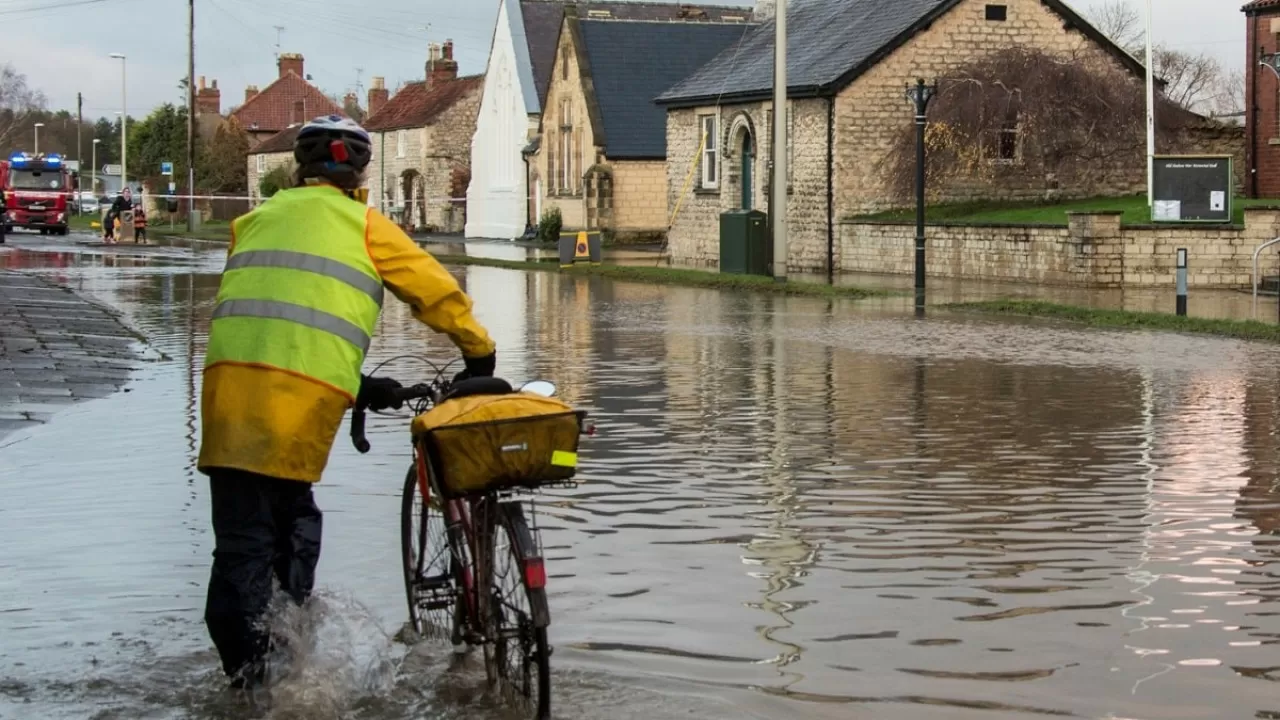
748	162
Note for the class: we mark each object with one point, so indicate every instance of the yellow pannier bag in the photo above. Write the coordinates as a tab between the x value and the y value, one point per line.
482	443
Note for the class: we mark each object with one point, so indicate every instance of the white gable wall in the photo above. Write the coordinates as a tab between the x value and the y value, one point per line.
497	196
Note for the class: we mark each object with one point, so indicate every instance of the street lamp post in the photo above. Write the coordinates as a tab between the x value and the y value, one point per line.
38	126
94	167
919	95
124	122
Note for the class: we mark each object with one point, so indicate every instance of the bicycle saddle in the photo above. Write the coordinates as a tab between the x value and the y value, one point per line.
478	386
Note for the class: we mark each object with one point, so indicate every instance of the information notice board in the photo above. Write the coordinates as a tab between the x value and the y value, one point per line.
1192	188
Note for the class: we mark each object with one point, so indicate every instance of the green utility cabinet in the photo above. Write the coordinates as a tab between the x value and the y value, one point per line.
744	243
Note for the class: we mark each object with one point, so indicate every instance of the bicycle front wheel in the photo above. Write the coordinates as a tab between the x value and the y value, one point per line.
430	571
518	656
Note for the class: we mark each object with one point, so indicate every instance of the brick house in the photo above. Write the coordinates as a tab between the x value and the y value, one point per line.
274	152
602	156
501	198
421	145
1262	91
289	99
849	62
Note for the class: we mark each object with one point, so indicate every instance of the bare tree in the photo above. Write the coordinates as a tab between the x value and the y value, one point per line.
1229	100
1119	21
17	102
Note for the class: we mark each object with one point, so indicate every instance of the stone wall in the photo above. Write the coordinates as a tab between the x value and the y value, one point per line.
558	120
694	235
432	152
872	112
639	195
1094	251
270	161
869	116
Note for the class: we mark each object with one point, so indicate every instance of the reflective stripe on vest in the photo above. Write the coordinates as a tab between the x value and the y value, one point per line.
309	263
299	292
318	319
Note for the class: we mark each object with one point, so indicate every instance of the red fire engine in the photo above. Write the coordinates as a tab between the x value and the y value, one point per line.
38	190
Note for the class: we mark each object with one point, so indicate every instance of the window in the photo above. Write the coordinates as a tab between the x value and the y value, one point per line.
262	165
710	126
564	63
997	13
568	179
1003	145
401	143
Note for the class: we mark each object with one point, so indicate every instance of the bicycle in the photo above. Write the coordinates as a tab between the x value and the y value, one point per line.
473	566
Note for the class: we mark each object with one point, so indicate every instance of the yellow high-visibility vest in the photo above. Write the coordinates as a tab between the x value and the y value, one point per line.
300	293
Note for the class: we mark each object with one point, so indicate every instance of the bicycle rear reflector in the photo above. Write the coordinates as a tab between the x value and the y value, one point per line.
535	573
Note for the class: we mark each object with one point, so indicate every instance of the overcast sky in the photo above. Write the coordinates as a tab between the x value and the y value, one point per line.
63	45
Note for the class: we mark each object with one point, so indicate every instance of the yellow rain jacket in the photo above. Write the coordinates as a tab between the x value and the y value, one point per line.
296	308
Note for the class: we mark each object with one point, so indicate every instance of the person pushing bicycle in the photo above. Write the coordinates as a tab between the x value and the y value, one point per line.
295	311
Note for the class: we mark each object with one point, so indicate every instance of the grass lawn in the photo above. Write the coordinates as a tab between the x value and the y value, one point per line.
672	276
1134	208
1122	319
217	231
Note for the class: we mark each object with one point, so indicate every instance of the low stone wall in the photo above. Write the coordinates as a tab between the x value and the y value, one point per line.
1093	250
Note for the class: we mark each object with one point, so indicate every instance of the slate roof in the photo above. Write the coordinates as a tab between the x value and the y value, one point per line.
544	18
829	44
1257	5
272	109
281	142
417	105
631	63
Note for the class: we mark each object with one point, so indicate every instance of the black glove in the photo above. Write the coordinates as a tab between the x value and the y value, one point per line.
379	393
478	367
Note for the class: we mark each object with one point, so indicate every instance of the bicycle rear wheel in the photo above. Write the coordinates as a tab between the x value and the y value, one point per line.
518	656
430	571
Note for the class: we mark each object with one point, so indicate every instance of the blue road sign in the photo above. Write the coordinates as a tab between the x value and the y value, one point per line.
166	168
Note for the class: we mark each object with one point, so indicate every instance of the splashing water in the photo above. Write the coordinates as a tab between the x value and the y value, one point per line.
336	653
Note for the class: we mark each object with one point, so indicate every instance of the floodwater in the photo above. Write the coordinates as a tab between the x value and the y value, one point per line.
795	508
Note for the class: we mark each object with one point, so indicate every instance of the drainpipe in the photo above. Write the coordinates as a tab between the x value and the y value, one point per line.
528	197
1253	121
831	192
382	176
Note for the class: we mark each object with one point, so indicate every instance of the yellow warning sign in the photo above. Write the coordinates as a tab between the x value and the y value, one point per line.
580	251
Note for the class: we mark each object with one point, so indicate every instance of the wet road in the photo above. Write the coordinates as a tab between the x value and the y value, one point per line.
795	508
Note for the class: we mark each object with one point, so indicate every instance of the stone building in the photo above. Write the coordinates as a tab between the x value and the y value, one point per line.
421	145
274	152
289	99
1262	99
501	198
602	157
849	62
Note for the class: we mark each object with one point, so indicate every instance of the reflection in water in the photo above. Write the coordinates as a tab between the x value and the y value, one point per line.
795	508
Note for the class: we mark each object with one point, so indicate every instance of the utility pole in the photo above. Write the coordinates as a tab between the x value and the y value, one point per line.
778	203
1151	117
193	221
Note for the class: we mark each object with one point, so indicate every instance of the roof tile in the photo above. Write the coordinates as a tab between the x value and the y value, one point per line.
543	19
417	105
272	110
631	63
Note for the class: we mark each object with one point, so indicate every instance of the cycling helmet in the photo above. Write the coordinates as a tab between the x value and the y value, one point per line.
332	144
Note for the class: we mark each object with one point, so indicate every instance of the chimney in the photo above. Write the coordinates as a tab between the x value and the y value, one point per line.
290	62
250	92
441	67
208	99
378	95
764	10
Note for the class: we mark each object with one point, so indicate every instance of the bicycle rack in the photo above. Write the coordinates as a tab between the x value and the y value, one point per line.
1256	253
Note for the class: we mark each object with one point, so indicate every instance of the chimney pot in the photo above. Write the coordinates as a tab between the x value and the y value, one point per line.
200	83
378	95
448	49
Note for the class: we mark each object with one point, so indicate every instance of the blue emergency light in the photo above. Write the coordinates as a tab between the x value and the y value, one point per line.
53	159
19	159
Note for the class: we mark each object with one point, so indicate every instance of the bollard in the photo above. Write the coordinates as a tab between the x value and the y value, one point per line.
1182	281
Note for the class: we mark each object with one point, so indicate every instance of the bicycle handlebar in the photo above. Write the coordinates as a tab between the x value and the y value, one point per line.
431	390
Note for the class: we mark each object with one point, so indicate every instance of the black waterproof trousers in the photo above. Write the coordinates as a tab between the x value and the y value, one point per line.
263	527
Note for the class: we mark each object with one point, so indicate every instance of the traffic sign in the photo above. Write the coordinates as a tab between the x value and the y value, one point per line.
166	168
111	169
